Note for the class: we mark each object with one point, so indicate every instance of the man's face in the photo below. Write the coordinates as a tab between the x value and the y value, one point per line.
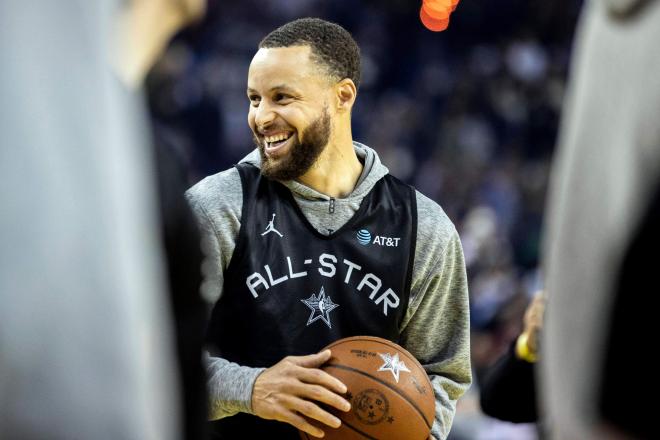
289	113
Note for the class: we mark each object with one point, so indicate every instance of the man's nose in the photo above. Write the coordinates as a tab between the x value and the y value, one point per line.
264	115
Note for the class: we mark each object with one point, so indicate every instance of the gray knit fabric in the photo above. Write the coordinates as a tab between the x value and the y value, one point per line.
436	325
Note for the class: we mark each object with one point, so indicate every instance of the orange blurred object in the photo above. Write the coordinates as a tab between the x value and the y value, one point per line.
453	3
431	23
437	9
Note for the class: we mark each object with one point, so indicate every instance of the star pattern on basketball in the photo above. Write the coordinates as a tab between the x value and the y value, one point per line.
393	365
321	306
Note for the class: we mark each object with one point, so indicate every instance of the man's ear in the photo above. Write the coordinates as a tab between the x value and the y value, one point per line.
346	92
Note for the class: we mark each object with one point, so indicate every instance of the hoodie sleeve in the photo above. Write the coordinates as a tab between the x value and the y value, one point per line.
436	329
217	202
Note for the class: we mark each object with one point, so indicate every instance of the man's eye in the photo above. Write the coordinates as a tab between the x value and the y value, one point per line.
254	100
281	97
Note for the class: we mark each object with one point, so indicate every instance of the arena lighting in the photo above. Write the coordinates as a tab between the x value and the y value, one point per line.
435	14
437	9
431	23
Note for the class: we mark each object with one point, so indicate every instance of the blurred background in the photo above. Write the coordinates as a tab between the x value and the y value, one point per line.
468	116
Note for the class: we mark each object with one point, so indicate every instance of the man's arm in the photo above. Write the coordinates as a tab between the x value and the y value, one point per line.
229	387
437	325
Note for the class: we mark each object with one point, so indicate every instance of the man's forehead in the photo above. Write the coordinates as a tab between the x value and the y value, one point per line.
297	53
283	66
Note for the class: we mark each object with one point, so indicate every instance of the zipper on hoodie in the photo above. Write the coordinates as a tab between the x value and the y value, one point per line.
331	207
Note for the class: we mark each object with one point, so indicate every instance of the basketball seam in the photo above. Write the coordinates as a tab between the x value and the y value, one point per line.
362	338
343	422
358	431
382	382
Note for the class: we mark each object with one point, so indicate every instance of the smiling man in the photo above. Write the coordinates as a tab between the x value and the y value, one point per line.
309	239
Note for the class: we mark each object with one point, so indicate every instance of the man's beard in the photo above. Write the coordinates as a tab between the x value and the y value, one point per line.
301	155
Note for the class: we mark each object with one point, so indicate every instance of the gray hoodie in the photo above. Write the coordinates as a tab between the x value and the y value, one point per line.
436	326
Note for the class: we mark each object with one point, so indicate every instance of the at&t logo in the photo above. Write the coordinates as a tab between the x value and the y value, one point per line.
364	238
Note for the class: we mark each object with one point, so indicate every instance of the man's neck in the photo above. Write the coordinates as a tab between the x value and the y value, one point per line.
336	172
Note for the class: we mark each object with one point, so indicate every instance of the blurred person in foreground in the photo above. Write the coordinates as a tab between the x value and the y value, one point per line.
604	177
508	388
85	333
309	239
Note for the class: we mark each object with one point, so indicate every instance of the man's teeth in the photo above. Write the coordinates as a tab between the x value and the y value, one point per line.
277	137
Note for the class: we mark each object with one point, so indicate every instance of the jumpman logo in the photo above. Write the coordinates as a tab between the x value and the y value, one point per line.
271	228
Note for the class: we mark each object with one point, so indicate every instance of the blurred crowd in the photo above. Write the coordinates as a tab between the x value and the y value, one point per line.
468	116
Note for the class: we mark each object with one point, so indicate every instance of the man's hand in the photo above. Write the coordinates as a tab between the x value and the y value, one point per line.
533	321
292	387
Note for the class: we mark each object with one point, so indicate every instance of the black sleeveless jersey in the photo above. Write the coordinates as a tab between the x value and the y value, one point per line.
290	290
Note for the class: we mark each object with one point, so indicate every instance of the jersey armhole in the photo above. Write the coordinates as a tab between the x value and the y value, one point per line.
247	197
413	241
411	255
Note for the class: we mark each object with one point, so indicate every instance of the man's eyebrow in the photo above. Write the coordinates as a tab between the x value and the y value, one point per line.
281	87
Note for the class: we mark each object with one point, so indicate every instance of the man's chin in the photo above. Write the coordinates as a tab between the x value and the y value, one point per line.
278	156
279	169
274	174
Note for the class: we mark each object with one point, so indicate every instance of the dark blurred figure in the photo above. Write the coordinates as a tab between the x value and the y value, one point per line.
146	27
632	324
605	174
507	389
181	239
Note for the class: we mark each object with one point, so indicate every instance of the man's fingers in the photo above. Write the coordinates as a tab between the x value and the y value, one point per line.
299	422
312	360
321	394
295	391
319	377
312	411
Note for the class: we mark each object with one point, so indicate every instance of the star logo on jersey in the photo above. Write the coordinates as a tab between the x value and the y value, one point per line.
321	306
393	365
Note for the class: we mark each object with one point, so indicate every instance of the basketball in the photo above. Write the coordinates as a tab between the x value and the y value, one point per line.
390	394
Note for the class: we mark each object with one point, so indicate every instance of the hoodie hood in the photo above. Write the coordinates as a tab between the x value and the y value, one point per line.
373	170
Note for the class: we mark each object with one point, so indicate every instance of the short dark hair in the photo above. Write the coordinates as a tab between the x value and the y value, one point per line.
332	46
